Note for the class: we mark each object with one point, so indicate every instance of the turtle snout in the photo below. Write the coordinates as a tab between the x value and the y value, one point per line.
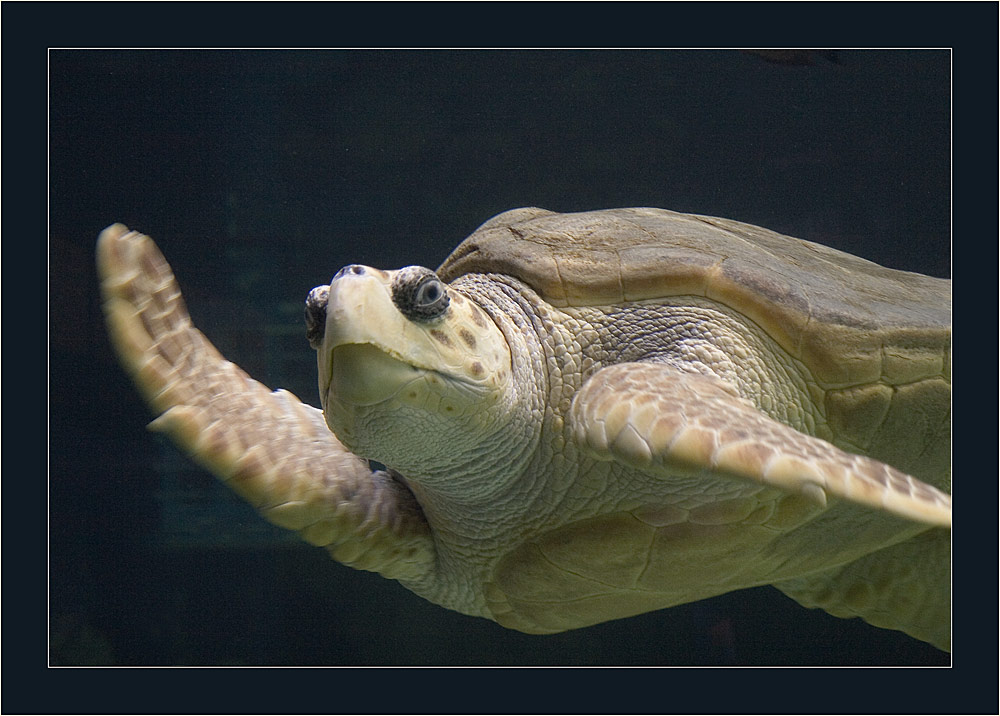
352	270
316	312
317	300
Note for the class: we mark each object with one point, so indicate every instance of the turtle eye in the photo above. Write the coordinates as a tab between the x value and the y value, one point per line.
316	315
429	293
419	294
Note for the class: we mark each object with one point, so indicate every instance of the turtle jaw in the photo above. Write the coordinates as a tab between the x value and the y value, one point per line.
362	374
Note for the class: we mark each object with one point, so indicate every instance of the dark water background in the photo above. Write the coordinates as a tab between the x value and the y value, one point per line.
260	173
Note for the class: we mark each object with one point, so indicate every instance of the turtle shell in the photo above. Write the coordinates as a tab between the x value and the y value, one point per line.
849	320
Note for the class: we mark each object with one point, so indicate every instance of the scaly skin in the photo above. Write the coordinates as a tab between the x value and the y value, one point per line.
554	467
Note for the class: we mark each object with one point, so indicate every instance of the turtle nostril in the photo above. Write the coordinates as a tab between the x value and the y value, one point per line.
352	270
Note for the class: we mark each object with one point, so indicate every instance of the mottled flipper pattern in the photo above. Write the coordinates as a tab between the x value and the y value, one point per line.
656	418
269	447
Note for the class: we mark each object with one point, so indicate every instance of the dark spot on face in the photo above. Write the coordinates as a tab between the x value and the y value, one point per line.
477	369
477	317
467	337
440	337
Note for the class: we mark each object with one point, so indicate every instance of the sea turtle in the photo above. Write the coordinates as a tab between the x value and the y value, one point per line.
586	416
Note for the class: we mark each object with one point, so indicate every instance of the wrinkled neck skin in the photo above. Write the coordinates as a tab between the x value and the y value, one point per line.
512	480
468	471
479	475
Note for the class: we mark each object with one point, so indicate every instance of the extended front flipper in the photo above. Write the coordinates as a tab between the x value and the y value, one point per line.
660	420
273	450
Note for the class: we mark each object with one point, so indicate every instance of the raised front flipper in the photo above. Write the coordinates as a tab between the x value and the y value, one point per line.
273	450
658	419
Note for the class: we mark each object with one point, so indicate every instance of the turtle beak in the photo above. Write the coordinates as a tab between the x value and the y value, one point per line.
346	324
358	307
318	300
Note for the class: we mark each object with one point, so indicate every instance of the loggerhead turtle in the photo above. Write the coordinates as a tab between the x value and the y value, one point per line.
583	417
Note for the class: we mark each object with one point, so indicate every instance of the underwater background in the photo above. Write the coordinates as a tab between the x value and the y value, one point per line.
260	173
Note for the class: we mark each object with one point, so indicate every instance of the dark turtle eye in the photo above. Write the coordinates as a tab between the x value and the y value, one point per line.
419	294
316	315
429	293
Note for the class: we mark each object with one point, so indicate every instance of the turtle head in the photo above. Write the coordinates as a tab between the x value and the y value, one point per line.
409	367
